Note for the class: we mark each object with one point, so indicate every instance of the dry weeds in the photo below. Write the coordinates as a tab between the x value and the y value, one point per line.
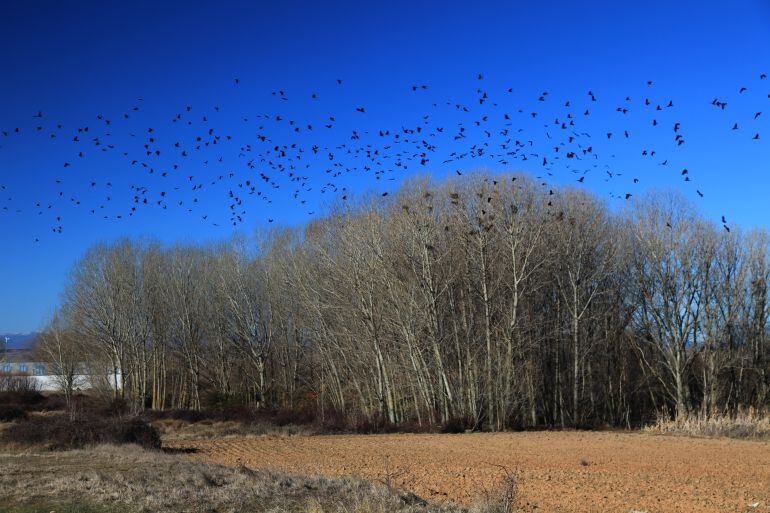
748	424
173	429
143	481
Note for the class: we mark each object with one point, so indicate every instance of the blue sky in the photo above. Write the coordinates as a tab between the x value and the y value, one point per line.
76	61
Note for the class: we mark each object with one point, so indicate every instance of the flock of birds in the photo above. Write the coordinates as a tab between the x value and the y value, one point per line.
249	158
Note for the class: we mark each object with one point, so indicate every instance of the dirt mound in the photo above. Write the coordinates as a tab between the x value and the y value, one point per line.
558	472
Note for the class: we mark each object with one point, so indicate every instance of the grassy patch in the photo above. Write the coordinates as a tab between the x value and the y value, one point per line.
62	508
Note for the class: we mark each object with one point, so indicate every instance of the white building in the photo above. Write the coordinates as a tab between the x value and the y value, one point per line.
44	376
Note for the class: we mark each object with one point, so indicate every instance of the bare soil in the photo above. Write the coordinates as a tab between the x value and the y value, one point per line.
557	471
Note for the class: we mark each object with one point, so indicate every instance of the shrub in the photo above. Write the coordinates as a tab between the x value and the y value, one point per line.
504	498
334	422
32	400
374	424
17	383
25	399
300	417
9	413
456	425
112	408
243	414
235	413
59	432
55	402
135	431
181	415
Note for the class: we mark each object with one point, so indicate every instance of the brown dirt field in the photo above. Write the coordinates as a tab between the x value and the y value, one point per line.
558	471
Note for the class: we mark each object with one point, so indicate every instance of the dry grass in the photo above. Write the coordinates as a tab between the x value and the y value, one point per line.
502	499
131	479
173	429
748	424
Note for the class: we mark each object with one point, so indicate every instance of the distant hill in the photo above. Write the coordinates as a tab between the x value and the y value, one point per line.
18	340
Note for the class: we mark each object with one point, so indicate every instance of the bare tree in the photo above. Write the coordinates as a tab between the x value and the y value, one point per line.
486	301
59	347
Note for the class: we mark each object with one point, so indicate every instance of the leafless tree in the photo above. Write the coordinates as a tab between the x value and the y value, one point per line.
484	301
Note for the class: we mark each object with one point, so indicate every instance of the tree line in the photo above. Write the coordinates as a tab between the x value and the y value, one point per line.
493	300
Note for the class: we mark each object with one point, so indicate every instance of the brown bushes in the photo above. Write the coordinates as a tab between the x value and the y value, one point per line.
59	432
236	413
17	383
99	421
9	413
26	399
503	497
457	425
32	400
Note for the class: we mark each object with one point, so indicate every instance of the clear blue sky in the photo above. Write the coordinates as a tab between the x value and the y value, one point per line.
76	61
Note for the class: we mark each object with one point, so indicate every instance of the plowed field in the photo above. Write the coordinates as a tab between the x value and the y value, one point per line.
557	472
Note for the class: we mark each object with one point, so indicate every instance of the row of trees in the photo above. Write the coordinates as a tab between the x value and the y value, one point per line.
489	299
